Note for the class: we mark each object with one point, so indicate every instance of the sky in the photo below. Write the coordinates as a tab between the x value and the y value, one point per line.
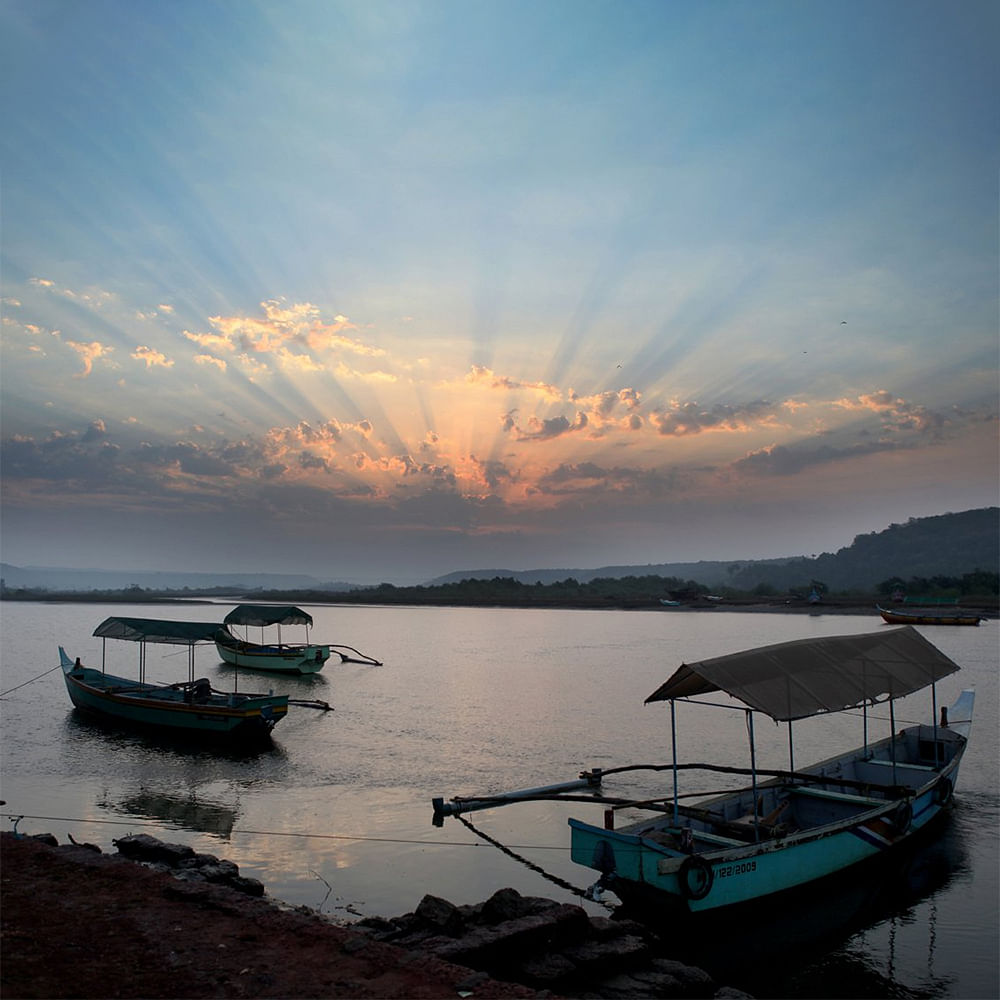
380	291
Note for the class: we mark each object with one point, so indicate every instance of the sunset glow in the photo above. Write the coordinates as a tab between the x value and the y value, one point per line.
348	290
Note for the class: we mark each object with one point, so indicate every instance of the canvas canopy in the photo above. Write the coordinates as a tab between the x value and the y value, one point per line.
793	680
267	614
154	630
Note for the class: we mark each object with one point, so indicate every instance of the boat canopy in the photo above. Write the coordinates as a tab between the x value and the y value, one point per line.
267	614
154	630
793	680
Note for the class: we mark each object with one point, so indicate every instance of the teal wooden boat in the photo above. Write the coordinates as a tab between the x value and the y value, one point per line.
277	657
192	707
786	830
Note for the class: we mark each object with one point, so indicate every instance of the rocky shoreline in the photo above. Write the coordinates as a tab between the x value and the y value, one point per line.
158	920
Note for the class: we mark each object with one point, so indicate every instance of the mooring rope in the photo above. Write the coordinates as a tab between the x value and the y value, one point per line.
562	883
154	825
3	694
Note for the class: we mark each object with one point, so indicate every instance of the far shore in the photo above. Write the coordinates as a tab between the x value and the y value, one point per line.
985	607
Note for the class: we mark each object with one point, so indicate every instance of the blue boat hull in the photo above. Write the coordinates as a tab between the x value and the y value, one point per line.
182	709
640	870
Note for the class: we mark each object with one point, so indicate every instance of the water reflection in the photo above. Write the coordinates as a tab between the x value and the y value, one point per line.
100	735
185	811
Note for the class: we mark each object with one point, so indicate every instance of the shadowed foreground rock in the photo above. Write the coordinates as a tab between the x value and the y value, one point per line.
548	946
80	923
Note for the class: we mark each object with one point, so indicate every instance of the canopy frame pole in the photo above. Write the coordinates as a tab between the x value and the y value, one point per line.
142	662
791	748
753	775
673	748
864	706
934	716
104	654
892	735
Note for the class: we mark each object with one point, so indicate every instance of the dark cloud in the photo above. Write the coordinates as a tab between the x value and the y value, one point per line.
784	461
689	418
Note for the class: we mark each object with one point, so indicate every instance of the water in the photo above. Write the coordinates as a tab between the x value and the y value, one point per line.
337	815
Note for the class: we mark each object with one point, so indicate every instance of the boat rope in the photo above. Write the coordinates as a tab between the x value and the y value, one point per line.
562	883
276	833
3	694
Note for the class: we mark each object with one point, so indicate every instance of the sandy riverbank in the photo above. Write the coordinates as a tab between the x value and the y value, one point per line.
76	923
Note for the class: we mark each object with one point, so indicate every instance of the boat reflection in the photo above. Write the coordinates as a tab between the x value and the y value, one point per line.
119	735
188	812
824	943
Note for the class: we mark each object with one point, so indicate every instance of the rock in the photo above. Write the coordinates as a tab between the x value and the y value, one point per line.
485	946
509	904
221	871
143	847
547	970
731	993
45	838
440	914
696	982
626	986
248	886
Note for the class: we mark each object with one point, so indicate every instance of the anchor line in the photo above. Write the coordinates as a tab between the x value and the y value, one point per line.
562	883
3	694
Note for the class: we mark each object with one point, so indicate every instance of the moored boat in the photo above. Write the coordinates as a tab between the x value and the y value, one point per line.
192	707
785	830
278	657
926	618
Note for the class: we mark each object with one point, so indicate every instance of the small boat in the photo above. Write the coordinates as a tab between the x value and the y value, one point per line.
192	707
278	657
788	829
923	618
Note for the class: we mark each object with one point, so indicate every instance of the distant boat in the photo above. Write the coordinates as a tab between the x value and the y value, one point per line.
278	657
192	707
922	618
785	830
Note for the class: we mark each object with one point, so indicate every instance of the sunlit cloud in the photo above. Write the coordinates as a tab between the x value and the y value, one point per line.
89	353
897	414
151	357
208	359
280	326
483	376
683	419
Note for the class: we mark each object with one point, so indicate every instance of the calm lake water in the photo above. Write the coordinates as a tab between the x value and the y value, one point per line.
337	815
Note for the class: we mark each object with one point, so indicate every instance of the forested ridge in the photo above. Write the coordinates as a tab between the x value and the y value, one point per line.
950	557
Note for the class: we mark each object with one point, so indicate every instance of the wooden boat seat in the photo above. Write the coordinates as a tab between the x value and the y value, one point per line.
848	797
911	767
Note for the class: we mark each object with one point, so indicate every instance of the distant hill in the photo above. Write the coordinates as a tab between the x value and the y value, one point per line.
54	578
925	547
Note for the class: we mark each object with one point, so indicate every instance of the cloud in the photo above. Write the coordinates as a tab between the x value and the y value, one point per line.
151	357
897	414
553	427
280	326
208	359
781	460
89	353
683	419
481	375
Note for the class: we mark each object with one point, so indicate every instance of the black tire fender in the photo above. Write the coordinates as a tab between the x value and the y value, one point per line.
943	791
698	886
902	817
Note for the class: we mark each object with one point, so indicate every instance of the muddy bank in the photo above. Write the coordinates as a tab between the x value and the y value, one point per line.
78	922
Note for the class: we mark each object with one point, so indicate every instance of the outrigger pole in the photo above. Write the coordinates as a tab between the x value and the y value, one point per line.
589	779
